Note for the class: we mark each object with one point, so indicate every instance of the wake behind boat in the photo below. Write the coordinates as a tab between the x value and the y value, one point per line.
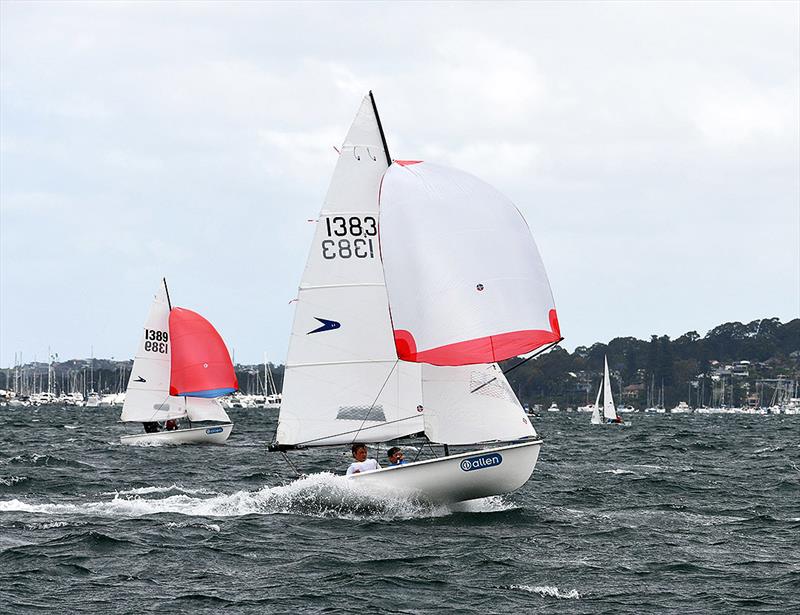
181	369
357	374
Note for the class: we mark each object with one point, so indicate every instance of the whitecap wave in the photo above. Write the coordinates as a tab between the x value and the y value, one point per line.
617	471
48	525
148	490
70	427
549	591
12	480
768	449
316	495
212	527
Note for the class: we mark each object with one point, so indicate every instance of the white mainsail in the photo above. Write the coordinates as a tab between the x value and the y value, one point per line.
147	397
343	381
596	409
609	411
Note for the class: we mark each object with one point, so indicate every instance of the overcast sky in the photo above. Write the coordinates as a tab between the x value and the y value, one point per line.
654	149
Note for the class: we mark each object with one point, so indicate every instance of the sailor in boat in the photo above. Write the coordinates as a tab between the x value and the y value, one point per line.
171	425
361	463
395	455
151	427
617	420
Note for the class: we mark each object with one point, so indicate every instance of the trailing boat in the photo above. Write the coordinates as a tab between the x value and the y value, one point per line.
405	307
610	416
181	369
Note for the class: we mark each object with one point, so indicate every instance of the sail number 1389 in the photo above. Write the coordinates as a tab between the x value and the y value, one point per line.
349	237
156	341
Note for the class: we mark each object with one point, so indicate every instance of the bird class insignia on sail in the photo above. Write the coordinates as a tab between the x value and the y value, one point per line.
327	325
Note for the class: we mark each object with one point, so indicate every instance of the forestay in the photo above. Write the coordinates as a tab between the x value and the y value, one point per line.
343	382
464	277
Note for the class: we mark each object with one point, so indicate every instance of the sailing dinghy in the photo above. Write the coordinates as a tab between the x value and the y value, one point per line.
419	280
181	369
610	416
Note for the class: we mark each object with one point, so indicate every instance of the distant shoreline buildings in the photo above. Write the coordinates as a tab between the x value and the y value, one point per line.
735	365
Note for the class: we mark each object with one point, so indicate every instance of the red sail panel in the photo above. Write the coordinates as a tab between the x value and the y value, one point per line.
201	365
489	349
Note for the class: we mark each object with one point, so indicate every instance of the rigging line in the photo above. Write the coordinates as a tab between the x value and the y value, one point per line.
166	288
157	409
344	433
291	465
513	367
419	450
375	401
380	129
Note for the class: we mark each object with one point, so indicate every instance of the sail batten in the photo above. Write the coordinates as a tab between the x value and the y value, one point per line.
352	285
358	362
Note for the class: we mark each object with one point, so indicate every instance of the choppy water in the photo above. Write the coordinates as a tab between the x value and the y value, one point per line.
689	514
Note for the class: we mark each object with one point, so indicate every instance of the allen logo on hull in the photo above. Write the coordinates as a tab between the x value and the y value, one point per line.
327	325
481	461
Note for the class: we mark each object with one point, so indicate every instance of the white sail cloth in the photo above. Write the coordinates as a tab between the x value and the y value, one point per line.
609	411
343	382
465	280
596	408
472	403
147	397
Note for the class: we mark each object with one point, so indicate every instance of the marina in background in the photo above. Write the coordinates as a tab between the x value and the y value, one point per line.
735	368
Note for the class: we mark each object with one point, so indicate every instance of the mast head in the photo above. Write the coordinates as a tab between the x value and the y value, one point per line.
166	290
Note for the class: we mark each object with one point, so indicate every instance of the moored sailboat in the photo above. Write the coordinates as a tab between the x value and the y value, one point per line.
181	368
610	416
404	310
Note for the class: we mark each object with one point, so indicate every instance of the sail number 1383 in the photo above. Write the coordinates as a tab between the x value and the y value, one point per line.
349	237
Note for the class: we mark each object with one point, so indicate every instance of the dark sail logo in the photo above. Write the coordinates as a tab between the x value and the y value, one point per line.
140	379
327	325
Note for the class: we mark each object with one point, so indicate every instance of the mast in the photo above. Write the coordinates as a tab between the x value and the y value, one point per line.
166	289
380	129
266	391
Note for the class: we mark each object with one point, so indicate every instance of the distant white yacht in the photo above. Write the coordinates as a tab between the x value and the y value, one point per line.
681	408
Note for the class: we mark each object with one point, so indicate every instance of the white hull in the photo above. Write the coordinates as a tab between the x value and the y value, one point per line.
211	434
460	477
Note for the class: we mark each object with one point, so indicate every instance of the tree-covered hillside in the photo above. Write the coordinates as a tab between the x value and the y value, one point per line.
733	359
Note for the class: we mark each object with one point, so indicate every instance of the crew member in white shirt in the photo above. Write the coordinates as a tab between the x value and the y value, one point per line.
361	464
